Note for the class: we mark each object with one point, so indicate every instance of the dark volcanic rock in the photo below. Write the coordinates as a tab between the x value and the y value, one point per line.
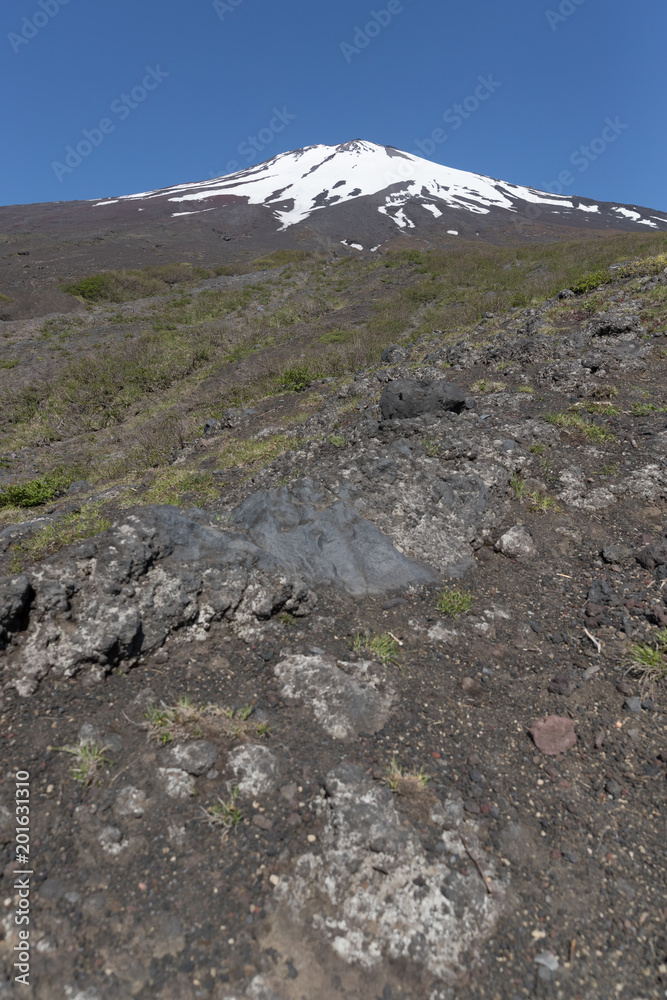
406	397
332	546
613	323
654	555
118	596
15	597
394	354
599	592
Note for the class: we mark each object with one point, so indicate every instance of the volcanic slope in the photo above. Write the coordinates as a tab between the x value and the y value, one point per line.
358	194
334	628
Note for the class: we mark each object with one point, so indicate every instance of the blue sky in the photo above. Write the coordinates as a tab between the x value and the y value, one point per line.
574	92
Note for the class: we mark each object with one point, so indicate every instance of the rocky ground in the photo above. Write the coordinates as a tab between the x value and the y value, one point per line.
386	719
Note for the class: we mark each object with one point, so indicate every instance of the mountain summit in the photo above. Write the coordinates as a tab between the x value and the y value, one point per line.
410	192
359	195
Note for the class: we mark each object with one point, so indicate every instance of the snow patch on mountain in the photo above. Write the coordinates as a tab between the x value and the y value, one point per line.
294	185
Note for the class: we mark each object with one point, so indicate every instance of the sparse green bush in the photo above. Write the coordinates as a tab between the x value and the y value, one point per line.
297	378
34	492
647	267
589	282
125	286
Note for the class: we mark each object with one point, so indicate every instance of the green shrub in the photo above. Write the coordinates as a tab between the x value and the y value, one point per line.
34	492
297	378
645	268
589	282
124	286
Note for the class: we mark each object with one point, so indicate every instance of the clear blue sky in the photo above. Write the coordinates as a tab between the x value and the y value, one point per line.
555	78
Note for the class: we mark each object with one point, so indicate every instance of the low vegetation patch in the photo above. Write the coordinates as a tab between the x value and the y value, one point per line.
541	502
281	257
185	721
486	386
240	453
125	286
575	422
384	648
400	781
89	761
171	485
86	523
225	812
519	485
34	492
297	378
647	267
647	659
454	602
61	326
337	336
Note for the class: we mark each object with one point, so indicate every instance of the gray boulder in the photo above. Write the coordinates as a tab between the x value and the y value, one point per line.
118	596
346	698
371	870
15	597
195	758
394	354
613	323
517	543
335	546
405	397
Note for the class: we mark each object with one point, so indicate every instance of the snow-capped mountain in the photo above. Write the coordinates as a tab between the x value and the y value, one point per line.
409	192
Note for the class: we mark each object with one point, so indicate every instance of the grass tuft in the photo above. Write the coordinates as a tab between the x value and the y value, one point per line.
575	422
647	661
89	760
225	812
397	779
454	602
384	648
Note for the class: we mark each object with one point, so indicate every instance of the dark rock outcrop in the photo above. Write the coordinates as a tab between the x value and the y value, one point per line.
406	397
